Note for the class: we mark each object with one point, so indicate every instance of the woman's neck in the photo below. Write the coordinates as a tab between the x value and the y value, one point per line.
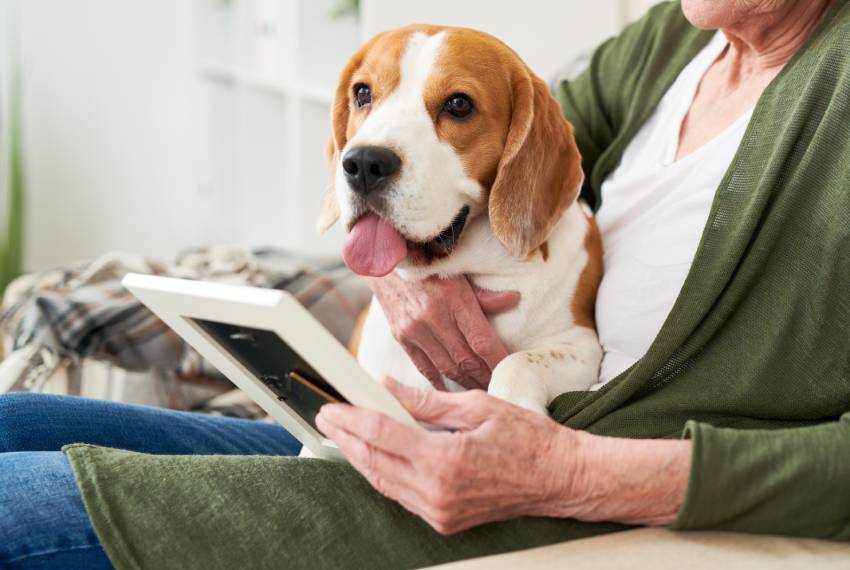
767	42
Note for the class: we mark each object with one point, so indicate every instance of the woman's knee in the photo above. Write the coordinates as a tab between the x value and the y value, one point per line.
43	521
20	415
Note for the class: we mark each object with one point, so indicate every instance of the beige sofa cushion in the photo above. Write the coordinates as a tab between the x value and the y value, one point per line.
662	549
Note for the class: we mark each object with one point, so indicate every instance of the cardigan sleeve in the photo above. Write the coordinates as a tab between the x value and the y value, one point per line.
792	481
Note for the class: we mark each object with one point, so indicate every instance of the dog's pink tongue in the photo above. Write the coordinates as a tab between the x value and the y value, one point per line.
373	247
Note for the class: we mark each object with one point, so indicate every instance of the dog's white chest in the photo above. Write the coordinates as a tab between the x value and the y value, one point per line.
549	353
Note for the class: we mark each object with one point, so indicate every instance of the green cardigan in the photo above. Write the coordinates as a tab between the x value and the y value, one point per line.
753	362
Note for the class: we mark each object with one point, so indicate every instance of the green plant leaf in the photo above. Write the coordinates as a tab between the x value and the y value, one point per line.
12	238
345	8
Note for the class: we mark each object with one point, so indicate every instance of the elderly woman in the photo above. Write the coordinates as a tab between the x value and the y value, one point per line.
717	162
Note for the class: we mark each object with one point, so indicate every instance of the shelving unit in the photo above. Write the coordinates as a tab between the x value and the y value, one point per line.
232	75
270	68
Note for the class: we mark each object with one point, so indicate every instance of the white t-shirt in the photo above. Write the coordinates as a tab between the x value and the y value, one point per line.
654	209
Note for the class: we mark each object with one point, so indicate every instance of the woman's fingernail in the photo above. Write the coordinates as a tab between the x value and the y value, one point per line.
388	381
325	426
329	411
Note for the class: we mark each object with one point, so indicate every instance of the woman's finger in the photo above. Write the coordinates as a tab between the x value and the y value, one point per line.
376	429
441	339
438	354
390	475
479	344
494	302
464	410
424	365
479	334
459	362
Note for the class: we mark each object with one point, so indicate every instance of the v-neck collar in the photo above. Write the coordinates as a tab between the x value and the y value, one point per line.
702	62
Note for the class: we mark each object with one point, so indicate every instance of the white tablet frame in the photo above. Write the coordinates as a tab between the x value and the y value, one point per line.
178	301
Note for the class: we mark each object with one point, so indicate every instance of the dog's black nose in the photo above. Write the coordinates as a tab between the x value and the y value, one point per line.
369	168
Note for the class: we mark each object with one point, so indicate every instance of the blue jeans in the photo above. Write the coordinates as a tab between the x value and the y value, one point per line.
43	523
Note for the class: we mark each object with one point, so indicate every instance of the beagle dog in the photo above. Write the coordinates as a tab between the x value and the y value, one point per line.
450	157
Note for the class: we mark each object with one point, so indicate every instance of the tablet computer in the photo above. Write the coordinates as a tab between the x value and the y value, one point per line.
271	347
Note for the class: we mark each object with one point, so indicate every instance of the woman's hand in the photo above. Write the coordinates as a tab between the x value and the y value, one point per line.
440	323
496	467
505	462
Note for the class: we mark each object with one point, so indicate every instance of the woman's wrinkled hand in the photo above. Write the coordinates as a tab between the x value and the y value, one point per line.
442	326
502	462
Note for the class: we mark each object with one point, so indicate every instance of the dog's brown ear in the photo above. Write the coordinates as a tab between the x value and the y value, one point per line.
339	128
539	174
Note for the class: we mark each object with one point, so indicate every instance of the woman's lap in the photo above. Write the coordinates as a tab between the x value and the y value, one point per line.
41	422
43	523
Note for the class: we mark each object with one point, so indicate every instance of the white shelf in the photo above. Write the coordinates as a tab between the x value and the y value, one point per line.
229	74
268	71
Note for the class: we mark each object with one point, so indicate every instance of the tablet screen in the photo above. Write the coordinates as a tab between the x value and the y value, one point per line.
274	363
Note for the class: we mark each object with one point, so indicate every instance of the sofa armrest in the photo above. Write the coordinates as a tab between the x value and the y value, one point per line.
662	549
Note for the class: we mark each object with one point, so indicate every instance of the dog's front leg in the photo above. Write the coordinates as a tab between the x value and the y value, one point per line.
533	378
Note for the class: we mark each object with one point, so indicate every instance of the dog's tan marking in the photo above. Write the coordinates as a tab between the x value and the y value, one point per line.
375	64
539	359
584	299
357	332
478	66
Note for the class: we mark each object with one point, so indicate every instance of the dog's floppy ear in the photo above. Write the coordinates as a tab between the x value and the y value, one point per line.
539	174
339	127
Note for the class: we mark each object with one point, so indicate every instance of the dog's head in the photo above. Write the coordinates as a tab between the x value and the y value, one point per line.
435	126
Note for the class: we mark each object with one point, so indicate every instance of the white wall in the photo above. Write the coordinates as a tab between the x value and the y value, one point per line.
110	96
544	33
128	147
634	9
266	98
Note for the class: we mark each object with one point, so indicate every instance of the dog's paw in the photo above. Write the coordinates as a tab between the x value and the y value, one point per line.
515	382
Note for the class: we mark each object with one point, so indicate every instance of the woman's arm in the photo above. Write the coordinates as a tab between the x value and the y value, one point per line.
633	481
505	462
793	481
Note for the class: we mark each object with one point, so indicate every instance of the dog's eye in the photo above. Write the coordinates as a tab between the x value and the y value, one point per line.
458	105
362	95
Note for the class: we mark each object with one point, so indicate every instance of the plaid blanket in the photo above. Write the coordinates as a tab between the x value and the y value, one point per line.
61	319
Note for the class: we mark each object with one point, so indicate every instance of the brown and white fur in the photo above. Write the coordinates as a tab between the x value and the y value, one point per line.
514	163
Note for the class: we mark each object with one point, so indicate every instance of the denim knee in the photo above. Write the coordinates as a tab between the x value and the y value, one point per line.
18	412
43	521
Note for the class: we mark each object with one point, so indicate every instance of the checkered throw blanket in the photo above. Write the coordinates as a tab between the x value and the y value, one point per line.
67	316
